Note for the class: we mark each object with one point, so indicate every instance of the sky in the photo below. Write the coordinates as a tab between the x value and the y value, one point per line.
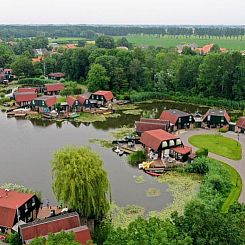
127	12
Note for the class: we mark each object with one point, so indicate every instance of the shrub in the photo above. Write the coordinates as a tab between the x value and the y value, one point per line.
199	166
202	152
136	158
13	239
2	95
219	183
223	130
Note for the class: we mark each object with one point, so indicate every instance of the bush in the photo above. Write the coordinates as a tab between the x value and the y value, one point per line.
219	183
13	239
136	158
199	166
202	152
223	130
35	81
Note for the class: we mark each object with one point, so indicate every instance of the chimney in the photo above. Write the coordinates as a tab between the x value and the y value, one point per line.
7	192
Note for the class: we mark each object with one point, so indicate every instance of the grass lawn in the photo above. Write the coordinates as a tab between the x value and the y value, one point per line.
218	144
236	188
171	41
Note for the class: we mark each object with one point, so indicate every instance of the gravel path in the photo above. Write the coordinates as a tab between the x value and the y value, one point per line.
239	165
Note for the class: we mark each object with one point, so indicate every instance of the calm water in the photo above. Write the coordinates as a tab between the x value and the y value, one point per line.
26	148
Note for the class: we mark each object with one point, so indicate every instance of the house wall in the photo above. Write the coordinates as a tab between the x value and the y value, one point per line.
184	122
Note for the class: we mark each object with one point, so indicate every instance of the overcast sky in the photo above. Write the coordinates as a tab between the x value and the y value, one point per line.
227	12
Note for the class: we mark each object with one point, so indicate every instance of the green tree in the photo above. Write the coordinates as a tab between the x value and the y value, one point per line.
97	78
23	66
105	42
6	55
123	42
143	232
80	181
62	238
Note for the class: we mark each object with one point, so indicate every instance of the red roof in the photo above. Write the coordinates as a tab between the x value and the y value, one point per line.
154	138
82	98
23	90
167	115
107	94
70	100
53	87
146	126
70	46
8	70
49	100
183	150
241	122
9	205
25	97
56	74
65	222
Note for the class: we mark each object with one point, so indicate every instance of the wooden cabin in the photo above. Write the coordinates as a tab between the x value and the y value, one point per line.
78	103
146	124
24	98
178	119
44	104
56	76
164	144
17	206
101	98
69	222
216	118
53	88
240	125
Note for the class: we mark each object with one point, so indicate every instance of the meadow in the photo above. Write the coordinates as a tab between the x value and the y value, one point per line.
172	41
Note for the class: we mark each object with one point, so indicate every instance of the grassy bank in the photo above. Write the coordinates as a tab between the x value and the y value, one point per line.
235	190
218	144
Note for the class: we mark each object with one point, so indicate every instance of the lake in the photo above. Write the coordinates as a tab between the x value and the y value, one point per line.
26	149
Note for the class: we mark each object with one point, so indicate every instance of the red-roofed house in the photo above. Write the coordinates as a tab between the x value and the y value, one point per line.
44	103
216	118
146	124
70	46
24	98
165	144
53	88
15	206
79	102
69	222
178	119
101	97
241	125
206	49
56	75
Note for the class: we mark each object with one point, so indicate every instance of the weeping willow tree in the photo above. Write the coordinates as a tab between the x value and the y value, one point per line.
80	181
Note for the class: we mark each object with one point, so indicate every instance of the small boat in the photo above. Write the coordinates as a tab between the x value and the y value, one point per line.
74	115
120	153
117	150
153	174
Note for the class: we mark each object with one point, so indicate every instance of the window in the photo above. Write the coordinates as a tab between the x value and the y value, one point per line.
171	143
190	118
178	142
180	120
164	144
26	207
33	201
209	118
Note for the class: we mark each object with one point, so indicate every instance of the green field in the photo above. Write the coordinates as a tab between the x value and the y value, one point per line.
66	40
171	41
218	144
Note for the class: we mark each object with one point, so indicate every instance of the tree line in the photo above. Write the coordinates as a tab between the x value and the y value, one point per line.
157	70
92	31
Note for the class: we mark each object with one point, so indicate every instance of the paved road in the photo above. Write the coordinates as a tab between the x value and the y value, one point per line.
238	165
